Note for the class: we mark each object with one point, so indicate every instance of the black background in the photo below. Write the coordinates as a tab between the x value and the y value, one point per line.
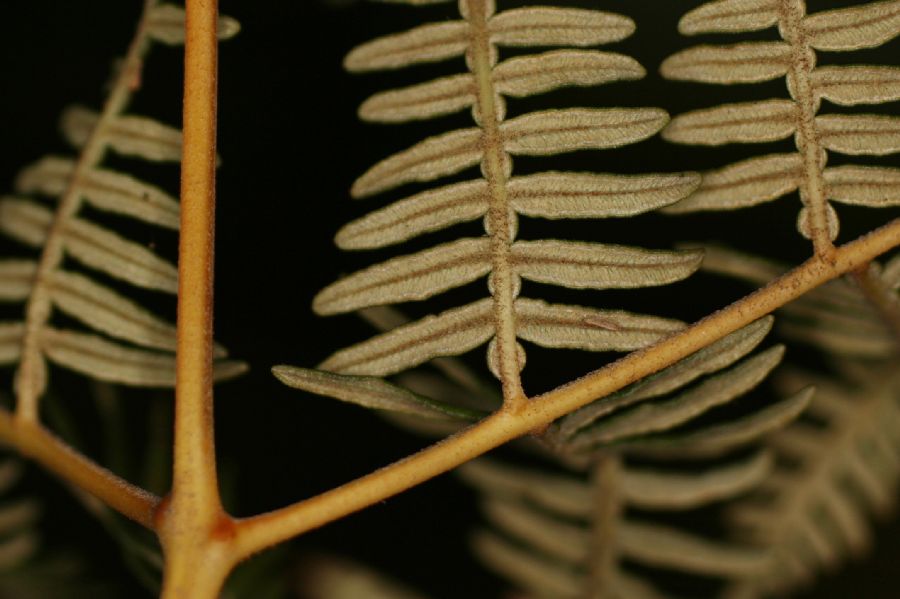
291	145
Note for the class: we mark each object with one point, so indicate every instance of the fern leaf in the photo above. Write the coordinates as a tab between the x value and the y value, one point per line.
541	26
649	489
135	136
94	246
542	577
872	135
659	546
369	392
748	122
528	75
537	529
414	277
165	24
660	416
739	63
552	325
548	132
555	131
105	310
715	440
558	493
423	101
449	333
854	28
582	195
726	16
515	77
111	362
11	341
849	86
433	158
753	181
573	264
717	356
25	221
546	195
744	184
327	577
16	277
663	490
864	185
20	540
103	189
416	215
427	43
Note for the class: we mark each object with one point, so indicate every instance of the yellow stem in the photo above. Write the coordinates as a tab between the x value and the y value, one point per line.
36	442
194	477
259	532
194	530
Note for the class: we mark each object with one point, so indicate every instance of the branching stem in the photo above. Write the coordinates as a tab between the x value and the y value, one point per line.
201	542
193	528
36	442
259	532
195	467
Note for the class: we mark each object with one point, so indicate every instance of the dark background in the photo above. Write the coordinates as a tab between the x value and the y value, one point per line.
291	145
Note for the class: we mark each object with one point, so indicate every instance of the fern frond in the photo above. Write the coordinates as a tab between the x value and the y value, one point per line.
500	197
143	353
764	179
835	467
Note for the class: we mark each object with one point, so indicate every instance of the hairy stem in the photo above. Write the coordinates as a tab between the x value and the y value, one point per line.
192	526
885	301
31	376
812	187
35	442
503	283
195	465
259	532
